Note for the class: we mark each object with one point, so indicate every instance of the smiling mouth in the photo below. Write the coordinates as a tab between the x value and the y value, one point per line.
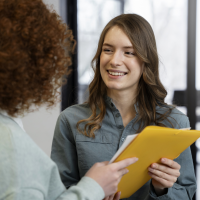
116	73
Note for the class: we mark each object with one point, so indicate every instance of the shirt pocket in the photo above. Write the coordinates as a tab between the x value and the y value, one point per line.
92	150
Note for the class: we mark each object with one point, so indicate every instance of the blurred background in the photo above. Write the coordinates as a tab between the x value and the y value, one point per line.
176	25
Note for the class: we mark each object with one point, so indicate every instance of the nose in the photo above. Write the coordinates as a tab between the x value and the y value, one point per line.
116	59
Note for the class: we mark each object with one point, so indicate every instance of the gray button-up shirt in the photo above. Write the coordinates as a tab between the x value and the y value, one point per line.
75	153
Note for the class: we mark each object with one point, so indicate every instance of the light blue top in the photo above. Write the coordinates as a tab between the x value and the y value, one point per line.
75	153
27	173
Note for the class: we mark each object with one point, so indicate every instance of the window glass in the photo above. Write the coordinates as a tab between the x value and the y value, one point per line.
93	15
168	19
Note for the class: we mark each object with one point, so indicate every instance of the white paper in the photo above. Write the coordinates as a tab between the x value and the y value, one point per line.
185	128
127	141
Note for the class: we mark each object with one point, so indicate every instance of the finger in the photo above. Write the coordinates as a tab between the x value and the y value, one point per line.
163	175
170	163
111	197
163	182
122	172
165	169
125	163
117	196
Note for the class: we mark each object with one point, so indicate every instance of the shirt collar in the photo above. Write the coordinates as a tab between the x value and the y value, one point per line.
17	120
111	105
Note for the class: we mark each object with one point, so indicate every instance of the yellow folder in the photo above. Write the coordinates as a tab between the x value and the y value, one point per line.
152	144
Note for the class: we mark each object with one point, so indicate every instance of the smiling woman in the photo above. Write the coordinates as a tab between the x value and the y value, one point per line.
125	96
133	31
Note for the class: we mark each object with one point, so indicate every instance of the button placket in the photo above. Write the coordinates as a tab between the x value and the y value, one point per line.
117	115
124	135
118	119
120	126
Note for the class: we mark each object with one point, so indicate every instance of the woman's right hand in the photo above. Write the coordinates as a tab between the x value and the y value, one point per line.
109	175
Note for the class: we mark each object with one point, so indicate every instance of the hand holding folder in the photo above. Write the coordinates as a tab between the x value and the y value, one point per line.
152	144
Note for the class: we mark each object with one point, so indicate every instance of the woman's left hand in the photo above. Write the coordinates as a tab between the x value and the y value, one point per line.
164	175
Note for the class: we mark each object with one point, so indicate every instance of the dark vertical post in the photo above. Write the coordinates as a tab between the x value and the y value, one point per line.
191	68
68	10
122	6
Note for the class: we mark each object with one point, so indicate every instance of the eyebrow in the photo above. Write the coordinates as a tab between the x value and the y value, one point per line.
126	47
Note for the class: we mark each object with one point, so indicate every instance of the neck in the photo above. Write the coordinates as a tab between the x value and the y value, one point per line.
124	101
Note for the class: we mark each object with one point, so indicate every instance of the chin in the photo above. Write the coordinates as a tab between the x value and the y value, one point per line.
113	87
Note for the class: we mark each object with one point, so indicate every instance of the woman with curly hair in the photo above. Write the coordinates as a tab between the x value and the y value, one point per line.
35	49
125	96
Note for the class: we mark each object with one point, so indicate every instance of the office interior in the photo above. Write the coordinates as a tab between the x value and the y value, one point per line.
176	25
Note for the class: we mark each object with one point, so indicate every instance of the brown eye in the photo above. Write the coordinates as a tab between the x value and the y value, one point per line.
129	53
107	50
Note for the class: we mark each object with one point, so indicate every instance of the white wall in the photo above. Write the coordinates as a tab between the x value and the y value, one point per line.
40	124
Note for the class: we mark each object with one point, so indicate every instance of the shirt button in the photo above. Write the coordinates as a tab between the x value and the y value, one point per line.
117	115
122	139
120	127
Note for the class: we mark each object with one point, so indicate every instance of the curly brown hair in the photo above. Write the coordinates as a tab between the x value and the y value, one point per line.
35	52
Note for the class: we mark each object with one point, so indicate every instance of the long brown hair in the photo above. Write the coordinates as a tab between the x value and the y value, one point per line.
151	92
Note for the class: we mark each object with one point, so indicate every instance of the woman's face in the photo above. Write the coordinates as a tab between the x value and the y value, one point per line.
120	68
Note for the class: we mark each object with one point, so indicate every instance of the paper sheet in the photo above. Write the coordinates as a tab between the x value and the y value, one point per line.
127	141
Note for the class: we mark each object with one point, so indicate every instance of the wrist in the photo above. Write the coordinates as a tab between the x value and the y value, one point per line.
160	191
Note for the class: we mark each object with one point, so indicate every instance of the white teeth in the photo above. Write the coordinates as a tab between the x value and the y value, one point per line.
116	73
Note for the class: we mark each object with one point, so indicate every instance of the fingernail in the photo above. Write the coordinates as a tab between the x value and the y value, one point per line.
154	165
150	169
163	160
136	159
